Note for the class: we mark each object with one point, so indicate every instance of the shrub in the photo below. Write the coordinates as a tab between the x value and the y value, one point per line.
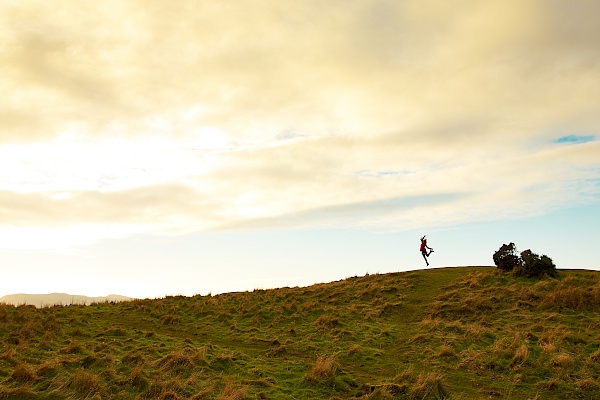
534	266
527	264
506	258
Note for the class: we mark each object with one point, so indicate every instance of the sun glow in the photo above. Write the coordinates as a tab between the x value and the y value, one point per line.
63	239
78	163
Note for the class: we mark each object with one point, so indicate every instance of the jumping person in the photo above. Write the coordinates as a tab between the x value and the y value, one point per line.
424	248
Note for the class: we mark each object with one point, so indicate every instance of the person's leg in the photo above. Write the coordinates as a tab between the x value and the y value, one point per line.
425	257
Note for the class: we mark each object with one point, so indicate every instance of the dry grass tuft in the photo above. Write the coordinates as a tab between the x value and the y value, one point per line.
521	356
276	351
419	338
446	351
563	360
24	373
176	361
48	368
324	369
115	331
160	387
170	320
170	395
326	322
595	357
203	394
355	348
21	393
133	358
200	355
405	376
136	378
429	385
476	331
554	336
225	357
552	384
430	323
85	383
573	297
233	392
548	347
8	354
72	348
588	384
472	359
309	305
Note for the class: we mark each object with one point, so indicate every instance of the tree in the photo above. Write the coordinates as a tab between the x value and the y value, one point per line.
506	258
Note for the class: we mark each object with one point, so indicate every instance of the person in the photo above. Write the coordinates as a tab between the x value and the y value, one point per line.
424	248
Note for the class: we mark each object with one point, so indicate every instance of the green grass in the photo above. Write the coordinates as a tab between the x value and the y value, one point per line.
452	333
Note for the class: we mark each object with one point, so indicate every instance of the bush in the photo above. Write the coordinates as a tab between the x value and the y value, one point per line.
534	266
506	258
528	264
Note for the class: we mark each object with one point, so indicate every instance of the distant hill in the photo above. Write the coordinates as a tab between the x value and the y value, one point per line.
47	300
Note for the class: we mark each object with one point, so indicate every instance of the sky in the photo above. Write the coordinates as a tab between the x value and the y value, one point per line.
152	148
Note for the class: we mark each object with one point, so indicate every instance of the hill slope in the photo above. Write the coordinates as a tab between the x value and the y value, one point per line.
455	333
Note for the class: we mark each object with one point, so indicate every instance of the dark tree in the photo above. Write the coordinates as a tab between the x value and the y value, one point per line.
506	258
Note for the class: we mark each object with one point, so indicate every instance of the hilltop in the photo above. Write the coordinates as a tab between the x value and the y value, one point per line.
454	333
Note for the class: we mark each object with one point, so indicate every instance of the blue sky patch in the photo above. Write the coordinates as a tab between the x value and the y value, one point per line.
575	139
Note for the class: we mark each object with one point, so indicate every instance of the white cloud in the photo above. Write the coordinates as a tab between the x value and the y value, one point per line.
171	117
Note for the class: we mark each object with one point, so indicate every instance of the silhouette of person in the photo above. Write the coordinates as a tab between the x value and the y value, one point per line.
424	248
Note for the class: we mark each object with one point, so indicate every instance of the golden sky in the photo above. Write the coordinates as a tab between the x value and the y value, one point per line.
120	118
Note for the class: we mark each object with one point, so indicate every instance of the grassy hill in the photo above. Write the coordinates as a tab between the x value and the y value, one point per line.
455	333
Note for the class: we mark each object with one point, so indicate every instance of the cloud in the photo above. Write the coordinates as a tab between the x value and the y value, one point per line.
280	65
209	115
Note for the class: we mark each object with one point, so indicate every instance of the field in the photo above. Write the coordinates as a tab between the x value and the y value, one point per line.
451	333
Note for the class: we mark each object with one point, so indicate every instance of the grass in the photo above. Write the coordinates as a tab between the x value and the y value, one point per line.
453	333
